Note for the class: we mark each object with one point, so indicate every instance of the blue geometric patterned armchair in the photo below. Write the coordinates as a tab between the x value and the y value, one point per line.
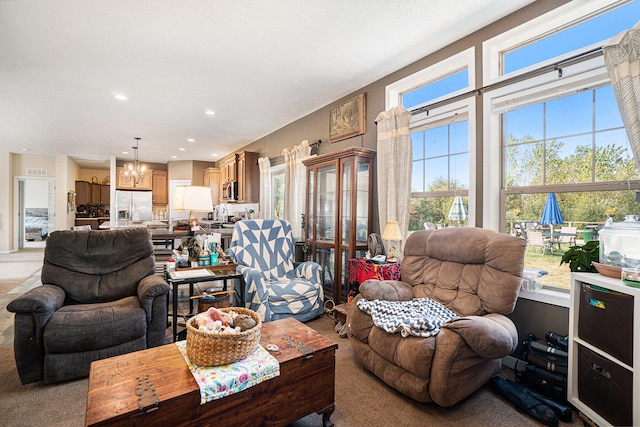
263	252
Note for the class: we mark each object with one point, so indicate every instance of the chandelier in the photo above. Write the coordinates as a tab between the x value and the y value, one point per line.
135	171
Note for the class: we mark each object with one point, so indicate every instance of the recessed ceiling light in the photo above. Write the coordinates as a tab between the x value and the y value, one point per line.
191	140
214	155
174	157
120	96
182	149
210	112
125	152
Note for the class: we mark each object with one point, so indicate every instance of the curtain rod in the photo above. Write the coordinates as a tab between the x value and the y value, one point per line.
275	161
592	53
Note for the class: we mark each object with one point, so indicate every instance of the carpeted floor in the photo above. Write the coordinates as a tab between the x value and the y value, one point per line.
361	399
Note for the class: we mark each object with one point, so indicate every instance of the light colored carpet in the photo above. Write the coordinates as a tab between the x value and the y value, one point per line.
361	400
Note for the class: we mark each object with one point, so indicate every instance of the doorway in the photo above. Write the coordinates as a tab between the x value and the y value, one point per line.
36	211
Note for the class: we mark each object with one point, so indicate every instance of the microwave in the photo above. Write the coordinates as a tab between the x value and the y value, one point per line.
230	191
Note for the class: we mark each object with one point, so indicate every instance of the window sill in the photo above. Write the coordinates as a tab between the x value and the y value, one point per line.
547	296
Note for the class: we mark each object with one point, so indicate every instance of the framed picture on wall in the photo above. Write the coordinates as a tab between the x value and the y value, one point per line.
348	119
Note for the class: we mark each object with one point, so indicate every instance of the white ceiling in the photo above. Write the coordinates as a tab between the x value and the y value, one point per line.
258	64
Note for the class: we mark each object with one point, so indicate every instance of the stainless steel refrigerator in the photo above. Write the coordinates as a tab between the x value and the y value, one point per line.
133	206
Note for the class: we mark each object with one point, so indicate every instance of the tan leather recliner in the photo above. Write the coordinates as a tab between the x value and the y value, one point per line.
474	272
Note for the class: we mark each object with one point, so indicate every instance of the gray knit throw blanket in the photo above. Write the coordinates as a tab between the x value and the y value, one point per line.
420	317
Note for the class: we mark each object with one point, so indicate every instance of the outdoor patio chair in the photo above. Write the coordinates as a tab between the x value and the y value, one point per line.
565	238
536	239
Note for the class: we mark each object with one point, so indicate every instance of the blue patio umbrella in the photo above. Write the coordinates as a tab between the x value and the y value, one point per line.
551	213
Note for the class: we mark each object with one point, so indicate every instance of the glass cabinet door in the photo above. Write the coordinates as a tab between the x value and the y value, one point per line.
345	220
325	207
362	203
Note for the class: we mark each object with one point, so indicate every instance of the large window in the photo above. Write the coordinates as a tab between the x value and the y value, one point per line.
277	192
560	133
443	158
440	172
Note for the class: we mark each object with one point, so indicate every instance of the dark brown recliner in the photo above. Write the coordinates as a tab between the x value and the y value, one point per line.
100	298
474	272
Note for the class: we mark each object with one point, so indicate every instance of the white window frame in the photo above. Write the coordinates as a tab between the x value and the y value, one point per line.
436	116
466	109
445	68
549	23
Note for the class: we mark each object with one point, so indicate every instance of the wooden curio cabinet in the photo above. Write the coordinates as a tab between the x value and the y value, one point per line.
338	214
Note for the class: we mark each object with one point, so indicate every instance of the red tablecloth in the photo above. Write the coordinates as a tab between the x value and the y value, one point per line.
361	270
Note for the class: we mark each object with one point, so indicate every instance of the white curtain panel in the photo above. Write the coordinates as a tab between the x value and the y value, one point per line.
265	187
393	166
295	184
622	57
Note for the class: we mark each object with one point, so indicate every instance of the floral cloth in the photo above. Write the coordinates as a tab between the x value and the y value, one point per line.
220	381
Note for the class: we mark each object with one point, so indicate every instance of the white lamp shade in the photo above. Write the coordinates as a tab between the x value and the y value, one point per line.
192	198
392	232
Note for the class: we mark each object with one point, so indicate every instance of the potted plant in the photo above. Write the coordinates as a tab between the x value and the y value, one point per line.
580	257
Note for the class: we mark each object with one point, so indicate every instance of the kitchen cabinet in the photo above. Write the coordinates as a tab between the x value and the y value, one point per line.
338	214
212	180
248	175
228	168
83	193
604	349
95	194
88	193
159	184
243	168
124	183
105	194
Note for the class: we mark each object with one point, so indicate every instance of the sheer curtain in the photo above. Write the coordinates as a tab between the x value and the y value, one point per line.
295	184
265	187
622	57
394	160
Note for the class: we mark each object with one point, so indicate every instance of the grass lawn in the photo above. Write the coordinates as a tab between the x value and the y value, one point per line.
559	276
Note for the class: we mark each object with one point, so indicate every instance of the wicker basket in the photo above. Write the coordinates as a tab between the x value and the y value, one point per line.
211	349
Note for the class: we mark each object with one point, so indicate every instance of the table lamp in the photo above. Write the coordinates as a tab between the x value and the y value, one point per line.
192	198
392	233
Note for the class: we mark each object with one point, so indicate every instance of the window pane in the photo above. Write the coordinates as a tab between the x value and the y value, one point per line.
435	211
417	176
614	160
524	123
607	112
417	145
459	137
523	165
436	174
582	210
437	89
436	141
460	171
589	32
569	115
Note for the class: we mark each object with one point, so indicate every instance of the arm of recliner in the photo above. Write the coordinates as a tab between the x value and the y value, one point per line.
491	336
389	290
309	270
41	301
150	288
256	293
